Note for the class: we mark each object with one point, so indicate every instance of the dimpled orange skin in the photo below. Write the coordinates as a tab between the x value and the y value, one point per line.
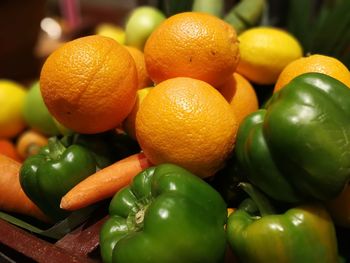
186	122
314	63
139	58
195	45
89	84
241	95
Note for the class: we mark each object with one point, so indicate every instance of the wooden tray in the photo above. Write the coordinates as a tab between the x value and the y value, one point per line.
79	246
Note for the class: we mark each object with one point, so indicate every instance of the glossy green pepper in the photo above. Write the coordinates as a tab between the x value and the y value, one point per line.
50	174
298	148
167	214
107	147
302	234
98	145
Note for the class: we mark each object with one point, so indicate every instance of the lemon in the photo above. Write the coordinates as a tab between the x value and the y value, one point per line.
264	52
12	97
129	123
112	31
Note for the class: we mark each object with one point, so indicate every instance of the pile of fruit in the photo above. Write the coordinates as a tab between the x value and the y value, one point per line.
169	127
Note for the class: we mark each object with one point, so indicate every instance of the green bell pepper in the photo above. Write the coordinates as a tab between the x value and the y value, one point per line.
50	174
298	147
107	147
302	234
98	145
167	214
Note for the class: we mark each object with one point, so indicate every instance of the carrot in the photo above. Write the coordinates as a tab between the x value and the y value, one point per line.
104	183
29	143
12	197
8	148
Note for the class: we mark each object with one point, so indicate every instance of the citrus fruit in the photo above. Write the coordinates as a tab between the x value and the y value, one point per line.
314	63
264	52
187	122
139	58
112	31
12	96
192	44
129	123
140	24
89	84
241	95
36	114
62	129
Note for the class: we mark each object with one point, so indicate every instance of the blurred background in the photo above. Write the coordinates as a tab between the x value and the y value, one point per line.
30	30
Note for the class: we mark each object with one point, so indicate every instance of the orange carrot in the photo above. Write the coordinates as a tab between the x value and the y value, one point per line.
12	197
104	183
29	143
8	148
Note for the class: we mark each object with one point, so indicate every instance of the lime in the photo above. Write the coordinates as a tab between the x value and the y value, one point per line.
63	129
36	113
140	24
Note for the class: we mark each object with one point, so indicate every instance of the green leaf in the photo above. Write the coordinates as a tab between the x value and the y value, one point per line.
323	28
299	20
246	14
172	7
331	29
214	7
56	231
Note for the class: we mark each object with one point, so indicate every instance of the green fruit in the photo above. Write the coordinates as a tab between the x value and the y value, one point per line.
63	130
140	24
112	31
36	114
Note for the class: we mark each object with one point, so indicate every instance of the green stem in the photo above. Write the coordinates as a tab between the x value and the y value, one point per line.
56	148
263	204
214	7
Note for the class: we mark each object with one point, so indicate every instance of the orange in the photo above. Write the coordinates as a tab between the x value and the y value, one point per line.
241	95
187	122
314	63
139	58
89	84
192	44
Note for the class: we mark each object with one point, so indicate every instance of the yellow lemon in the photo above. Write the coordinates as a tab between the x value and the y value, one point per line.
112	31
264	52
12	97
129	123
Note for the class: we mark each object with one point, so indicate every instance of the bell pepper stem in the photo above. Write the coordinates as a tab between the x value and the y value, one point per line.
56	148
264	205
